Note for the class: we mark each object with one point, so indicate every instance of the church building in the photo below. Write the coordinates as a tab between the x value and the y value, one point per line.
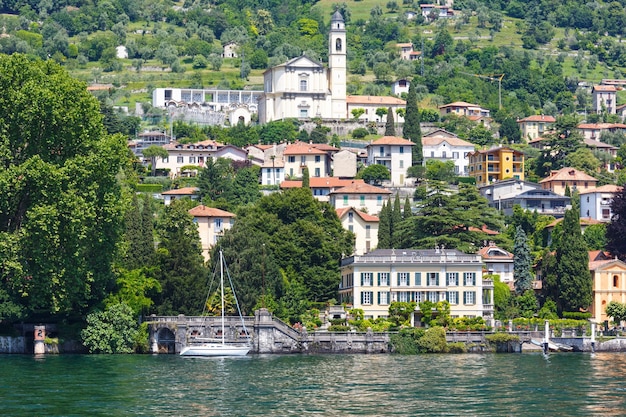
303	88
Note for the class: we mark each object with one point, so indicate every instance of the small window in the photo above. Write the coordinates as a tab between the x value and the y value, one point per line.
338	44
615	281
303	85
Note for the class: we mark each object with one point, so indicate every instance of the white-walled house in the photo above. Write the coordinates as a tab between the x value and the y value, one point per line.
362	196
394	153
444	146
372	103
363	225
373	280
181	155
498	262
212	223
321	187
603	98
535	126
596	203
178	193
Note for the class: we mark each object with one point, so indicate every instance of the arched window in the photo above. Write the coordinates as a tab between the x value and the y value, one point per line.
338	44
615	281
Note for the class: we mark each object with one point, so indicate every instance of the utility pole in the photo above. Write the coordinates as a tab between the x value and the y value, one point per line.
491	77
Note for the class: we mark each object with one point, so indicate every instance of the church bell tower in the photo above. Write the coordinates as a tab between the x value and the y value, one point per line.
337	66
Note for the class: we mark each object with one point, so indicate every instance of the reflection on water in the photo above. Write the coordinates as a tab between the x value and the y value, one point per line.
567	384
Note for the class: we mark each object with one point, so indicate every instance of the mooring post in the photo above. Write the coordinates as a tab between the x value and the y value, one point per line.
593	337
546	336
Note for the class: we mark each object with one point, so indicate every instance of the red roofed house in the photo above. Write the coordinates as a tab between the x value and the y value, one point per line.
184	154
299	155
462	108
498	262
535	126
594	130
212	223
609	283
321	187
596	203
603	98
394	153
558	180
170	195
362	196
405	50
363	225
445	146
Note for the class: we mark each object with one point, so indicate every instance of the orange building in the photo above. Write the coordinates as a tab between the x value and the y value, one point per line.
609	283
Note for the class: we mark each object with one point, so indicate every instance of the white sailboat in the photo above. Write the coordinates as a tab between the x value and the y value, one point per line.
199	346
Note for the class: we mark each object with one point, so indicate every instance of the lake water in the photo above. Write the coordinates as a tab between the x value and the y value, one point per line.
528	384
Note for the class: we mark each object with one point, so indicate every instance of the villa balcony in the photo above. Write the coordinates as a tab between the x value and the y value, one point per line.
487	284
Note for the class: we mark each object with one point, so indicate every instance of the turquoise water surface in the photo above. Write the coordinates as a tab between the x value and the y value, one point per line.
529	384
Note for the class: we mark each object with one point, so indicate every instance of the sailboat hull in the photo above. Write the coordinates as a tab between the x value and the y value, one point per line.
215	349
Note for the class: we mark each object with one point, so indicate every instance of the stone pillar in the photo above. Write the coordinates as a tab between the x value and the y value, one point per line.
40	337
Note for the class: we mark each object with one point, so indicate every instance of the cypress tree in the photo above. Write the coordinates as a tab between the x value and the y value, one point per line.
396	218
522	262
390	128
572	265
411	129
147	232
407	213
616	230
306	181
384	227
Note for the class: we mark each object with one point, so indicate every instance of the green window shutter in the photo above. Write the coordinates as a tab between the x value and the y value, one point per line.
379	286
378	293
398	275
418	278
437	279
362	282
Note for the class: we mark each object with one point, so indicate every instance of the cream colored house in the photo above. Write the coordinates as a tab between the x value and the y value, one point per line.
373	280
394	153
299	155
498	262
372	103
178	193
362	196
594	130
560	179
609	283
603	98
462	108
186	154
363	225
535	126
321	187
211	223
344	164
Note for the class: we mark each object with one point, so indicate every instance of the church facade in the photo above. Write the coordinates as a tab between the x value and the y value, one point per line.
303	88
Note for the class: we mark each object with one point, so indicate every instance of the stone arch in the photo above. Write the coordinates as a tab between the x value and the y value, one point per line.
166	340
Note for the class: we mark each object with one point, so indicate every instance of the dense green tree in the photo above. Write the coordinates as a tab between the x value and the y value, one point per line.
153	152
182	274
384	226
595	237
522	262
440	170
406	211
60	212
616	229
617	311
278	131
374	174
412	129
572	269
111	331
396	218
527	304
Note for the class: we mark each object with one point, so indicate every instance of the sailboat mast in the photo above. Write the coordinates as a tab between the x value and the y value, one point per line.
222	290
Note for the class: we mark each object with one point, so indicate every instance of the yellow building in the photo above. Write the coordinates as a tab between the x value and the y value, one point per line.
212	223
609	283
496	164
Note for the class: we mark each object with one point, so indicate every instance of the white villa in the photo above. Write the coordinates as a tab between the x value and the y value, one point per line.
373	280
362	196
183	155
444	146
596	202
394	153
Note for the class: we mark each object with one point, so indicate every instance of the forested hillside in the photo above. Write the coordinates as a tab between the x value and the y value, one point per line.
543	48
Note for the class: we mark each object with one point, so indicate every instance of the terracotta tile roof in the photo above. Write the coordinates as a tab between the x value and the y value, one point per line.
436	140
594	265
497	253
597	144
608	188
498	149
584	221
538	118
598	255
601	126
204	211
483	229
404	45
341	212
373	100
391	140
302	149
568	174
459	104
361	188
181	191
607	88
320	182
